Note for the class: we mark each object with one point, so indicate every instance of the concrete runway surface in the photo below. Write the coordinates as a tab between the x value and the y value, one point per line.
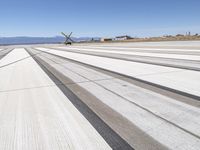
143	96
4	52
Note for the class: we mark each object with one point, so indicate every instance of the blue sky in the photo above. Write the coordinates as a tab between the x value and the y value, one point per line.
98	17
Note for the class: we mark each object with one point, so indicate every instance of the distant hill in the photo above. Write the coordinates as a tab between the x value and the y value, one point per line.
38	40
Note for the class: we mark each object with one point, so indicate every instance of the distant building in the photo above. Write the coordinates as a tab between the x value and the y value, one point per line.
122	38
106	39
179	35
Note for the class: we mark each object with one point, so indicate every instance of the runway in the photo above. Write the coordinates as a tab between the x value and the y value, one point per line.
35	114
180	62
101	96
4	52
160	75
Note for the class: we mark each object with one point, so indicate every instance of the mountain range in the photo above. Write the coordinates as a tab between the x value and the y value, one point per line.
39	40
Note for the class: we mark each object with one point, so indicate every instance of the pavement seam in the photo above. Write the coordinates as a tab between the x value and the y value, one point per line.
132	60
109	135
197	136
136	79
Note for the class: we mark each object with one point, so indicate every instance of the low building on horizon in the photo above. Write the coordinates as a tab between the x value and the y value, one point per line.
122	38
106	39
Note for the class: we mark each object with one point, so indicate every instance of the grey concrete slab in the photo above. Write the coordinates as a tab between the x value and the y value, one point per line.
177	78
4	52
117	93
135	49
35	114
169	62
